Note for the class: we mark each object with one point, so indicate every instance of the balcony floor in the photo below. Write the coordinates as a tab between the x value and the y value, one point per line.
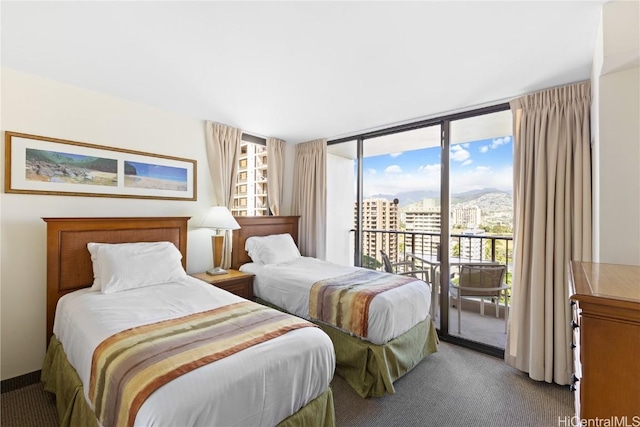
486	329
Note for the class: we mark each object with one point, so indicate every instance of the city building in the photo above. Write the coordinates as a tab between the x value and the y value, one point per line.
464	216
426	220
250	198
471	247
379	214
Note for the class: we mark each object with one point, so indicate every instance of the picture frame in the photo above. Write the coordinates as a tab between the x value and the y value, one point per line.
42	165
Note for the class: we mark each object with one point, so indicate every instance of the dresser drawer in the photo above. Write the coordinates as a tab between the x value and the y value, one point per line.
605	332
242	289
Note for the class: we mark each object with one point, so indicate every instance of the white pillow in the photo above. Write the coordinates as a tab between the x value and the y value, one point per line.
273	249
93	250
123	266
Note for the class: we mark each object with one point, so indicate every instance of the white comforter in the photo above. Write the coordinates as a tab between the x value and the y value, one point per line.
261	385
287	286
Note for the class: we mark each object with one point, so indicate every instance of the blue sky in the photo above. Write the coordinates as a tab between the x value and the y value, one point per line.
474	165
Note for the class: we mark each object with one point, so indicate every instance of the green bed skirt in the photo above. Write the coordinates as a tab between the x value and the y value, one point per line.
61	379
370	369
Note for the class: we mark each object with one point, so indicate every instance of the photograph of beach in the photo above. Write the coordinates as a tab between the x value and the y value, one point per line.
59	167
156	177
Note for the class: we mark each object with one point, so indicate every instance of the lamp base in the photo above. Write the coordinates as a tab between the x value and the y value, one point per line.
216	271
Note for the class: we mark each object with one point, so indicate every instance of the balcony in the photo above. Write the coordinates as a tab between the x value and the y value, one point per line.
473	248
465	248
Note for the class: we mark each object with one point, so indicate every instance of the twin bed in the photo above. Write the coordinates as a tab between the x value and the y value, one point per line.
253	365
260	381
400	331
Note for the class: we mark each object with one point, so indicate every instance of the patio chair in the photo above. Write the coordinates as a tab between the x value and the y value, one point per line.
481	281
405	268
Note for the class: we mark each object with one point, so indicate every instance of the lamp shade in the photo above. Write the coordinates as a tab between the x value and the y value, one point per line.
219	217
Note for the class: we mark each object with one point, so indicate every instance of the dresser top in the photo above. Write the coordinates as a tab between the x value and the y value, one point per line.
610	281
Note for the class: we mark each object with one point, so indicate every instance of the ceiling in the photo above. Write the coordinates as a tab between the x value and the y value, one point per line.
305	70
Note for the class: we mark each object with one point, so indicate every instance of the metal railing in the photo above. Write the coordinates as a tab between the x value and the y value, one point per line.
398	244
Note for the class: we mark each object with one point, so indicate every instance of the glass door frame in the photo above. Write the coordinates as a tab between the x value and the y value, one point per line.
445	209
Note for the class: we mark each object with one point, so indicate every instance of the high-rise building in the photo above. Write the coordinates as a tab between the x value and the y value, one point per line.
250	198
466	216
471	247
427	220
379	214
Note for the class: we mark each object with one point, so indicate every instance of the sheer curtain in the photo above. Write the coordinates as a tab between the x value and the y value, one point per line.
552	225
275	157
223	151
310	196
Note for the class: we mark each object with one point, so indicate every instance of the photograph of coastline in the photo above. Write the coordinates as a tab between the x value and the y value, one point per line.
59	167
156	177
44	165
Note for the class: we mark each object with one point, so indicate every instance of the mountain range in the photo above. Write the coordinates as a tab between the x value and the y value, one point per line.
488	195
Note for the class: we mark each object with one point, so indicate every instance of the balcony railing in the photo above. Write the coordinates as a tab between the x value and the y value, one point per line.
398	244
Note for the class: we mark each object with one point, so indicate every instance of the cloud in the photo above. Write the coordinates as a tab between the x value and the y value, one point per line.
430	168
467	162
459	154
393	169
372	171
495	143
394	155
427	177
500	141
424	178
482	177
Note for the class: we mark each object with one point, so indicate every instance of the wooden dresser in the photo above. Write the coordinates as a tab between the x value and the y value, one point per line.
605	301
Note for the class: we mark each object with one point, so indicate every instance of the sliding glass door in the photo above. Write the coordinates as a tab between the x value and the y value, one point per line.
481	226
422	192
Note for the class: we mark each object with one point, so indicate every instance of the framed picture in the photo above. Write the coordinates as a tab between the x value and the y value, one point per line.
40	165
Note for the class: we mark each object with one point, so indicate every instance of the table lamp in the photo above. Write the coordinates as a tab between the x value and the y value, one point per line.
218	218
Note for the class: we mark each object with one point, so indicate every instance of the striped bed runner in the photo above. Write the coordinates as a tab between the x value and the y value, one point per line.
344	301
130	365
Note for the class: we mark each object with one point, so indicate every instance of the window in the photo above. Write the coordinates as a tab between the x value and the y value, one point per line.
250	198
441	183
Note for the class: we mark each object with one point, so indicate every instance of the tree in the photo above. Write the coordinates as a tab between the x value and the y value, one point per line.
455	251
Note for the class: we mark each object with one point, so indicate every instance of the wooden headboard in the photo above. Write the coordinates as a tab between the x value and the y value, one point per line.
69	266
259	226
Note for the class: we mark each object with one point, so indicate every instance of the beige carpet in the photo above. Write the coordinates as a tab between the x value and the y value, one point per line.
454	387
458	387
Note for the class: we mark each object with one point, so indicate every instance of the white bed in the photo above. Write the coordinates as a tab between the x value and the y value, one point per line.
287	285
269	379
399	331
252	387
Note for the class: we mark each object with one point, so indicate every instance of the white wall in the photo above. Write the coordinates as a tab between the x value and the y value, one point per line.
616	135
340	200
38	106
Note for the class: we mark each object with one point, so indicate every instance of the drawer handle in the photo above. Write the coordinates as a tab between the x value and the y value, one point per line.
572	345
574	325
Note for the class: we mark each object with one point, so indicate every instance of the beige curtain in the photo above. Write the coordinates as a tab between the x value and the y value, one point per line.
310	197
552	225
275	158
223	151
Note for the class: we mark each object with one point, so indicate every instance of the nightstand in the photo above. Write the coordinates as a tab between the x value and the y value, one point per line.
234	281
